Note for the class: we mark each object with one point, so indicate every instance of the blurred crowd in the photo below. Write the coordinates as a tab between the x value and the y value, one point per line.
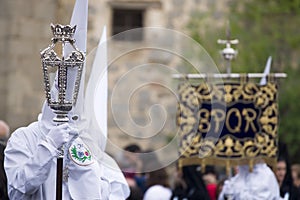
149	179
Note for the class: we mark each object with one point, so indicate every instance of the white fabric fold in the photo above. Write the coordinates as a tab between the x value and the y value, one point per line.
260	184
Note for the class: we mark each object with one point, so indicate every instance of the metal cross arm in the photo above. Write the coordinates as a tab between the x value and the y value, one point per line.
227	76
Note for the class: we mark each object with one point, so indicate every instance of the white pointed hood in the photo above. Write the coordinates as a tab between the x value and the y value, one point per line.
267	70
96	94
96	112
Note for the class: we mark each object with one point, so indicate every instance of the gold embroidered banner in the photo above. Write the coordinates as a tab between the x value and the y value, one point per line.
227	124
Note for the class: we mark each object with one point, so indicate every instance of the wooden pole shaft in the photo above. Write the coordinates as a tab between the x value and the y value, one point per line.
59	178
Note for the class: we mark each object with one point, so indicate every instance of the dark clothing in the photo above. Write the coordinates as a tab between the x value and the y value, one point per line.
195	188
287	185
135	194
292	190
3	179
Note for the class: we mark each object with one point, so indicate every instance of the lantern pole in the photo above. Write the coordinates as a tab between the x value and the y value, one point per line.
228	52
60	104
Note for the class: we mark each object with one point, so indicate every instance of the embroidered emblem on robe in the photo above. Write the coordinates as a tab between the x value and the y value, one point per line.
80	154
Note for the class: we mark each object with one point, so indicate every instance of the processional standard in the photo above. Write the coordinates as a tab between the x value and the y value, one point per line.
230	123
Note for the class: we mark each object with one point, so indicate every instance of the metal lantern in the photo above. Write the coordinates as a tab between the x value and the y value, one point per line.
67	70
228	52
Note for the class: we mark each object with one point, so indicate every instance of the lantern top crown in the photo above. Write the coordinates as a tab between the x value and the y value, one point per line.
63	32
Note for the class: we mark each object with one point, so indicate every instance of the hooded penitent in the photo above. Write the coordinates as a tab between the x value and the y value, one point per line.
92	174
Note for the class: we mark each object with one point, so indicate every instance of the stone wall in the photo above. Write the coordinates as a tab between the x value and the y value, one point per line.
137	126
26	30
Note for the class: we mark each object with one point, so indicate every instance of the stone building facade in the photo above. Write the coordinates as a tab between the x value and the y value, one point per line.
25	30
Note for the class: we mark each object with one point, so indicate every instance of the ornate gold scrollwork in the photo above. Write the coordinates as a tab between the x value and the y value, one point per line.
241	132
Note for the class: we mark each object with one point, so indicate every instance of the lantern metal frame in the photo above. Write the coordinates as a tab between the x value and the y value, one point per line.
62	34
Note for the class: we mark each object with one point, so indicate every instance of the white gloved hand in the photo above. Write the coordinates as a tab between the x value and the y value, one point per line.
59	135
74	132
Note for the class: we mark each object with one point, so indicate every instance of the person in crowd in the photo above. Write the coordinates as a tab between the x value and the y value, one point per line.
150	162
284	175
211	180
260	184
4	132
129	161
4	135
220	187
135	193
190	185
179	186
296	176
158	187
131	164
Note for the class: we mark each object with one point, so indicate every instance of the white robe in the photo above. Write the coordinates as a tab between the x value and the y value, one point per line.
260	184
30	165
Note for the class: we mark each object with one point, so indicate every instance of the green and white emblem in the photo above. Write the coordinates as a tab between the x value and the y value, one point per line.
80	154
